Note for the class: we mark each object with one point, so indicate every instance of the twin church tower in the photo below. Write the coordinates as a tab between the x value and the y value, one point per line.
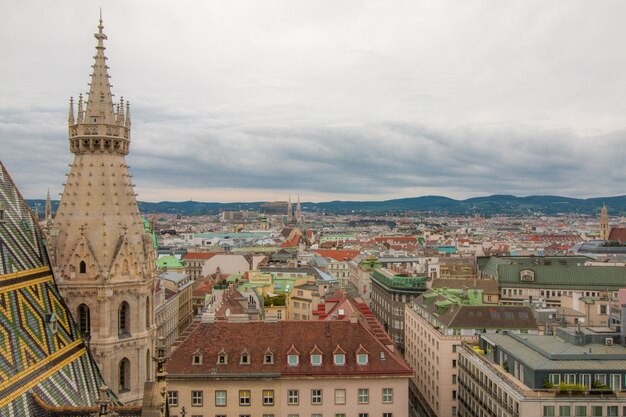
102	256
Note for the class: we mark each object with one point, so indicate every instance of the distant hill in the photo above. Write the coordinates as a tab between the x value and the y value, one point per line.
485	206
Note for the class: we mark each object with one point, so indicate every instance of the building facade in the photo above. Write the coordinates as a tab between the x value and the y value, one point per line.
390	293
287	368
569	375
101	254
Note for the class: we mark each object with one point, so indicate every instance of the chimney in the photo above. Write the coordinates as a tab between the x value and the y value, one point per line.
354	317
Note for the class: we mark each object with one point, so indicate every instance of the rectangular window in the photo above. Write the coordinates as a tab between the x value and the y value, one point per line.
611	411
244	397
172	398
340	415
292	360
340	359
601	378
340	396
220	398
555	379
580	410
596	410
364	395
268	415
387	395
363	415
565	411
196	398
293	397
316	396
548	411
361	358
268	397
387	414
570	378
316	360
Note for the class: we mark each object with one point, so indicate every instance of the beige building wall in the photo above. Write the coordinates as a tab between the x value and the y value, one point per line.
346	390
434	360
375	406
232	387
228	264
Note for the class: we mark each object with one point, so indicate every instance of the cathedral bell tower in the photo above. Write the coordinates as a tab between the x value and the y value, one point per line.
103	258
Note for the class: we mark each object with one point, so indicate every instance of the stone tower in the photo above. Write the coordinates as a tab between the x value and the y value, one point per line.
604	223
102	256
289	210
299	218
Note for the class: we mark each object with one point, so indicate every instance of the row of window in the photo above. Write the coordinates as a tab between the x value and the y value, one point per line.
296	415
293	397
583	410
316	359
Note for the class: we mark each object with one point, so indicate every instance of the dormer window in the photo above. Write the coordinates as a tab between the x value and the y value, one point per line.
268	357
362	356
196	359
293	356
339	356
244	359
339	359
316	356
222	357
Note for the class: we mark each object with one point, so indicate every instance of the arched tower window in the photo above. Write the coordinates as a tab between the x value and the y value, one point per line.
82	267
148	366
84	320
124	319
147	312
124	375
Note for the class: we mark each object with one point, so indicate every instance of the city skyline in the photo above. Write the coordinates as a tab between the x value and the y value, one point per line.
351	101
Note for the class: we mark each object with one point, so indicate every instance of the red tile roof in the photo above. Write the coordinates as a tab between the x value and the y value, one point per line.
200	255
280	338
618	233
340	255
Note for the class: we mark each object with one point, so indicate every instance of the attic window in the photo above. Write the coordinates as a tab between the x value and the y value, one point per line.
222	358
293	360
245	358
361	358
196	359
268	358
316	360
339	359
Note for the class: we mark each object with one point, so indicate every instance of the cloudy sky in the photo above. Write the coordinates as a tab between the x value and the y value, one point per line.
252	100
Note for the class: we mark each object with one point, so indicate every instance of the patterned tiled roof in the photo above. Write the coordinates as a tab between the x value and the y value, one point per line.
283	338
41	351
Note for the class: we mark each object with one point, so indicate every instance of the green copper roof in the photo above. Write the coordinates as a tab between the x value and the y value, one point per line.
169	262
473	296
399	281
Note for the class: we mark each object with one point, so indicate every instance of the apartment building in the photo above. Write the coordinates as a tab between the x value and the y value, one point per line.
575	373
390	292
288	368
550	278
436	324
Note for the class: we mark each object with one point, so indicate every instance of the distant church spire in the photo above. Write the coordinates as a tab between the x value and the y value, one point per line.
299	212
289	210
604	223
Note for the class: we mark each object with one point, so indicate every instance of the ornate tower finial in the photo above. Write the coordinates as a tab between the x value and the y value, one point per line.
70	117
98	128
48	209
